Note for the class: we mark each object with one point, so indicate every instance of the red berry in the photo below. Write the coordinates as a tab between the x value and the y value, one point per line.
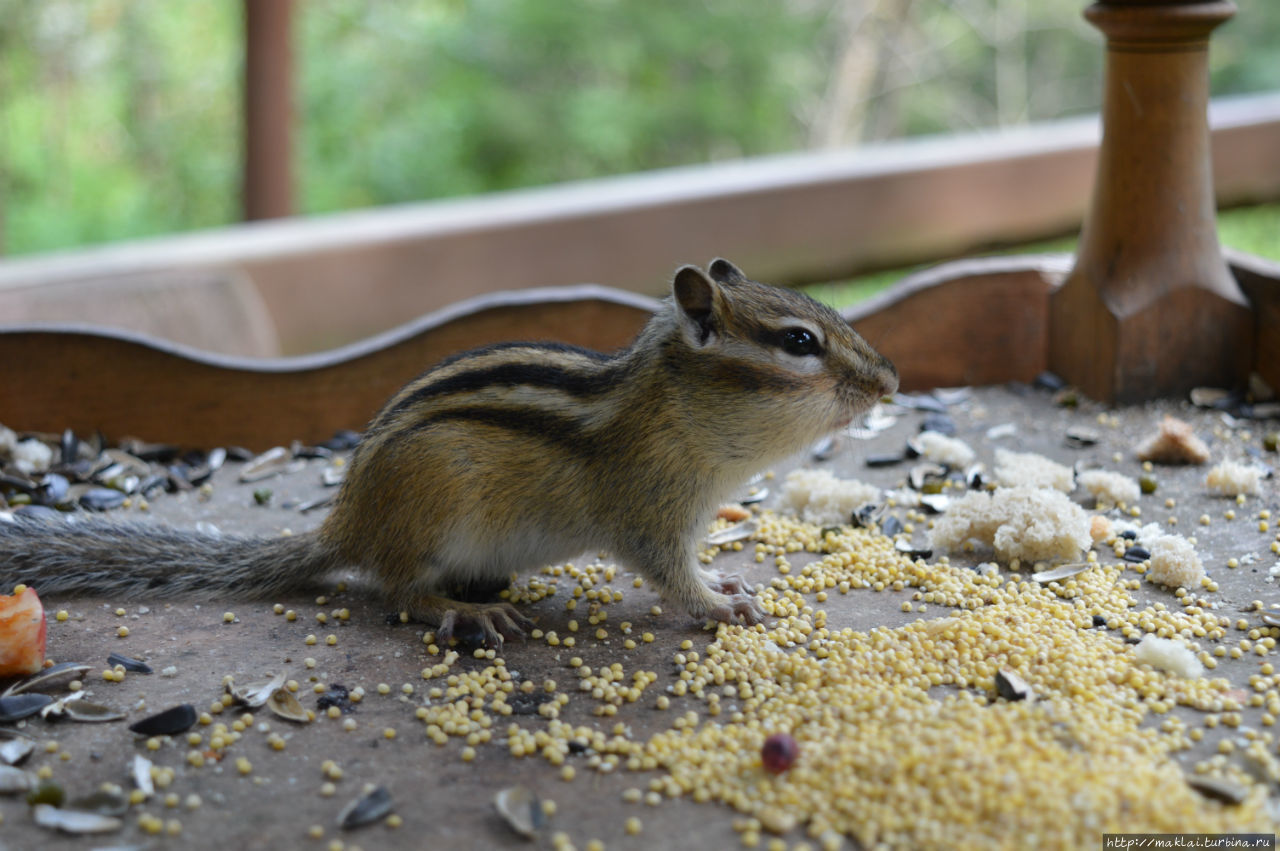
779	752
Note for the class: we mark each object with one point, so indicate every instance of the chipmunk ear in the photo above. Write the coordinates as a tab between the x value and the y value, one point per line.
696	295
725	272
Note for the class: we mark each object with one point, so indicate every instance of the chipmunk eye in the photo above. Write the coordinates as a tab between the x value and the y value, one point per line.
800	342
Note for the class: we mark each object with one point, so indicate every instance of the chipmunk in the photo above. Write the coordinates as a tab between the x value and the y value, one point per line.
517	455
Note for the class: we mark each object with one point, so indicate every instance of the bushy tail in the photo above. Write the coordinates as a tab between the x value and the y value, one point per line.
153	562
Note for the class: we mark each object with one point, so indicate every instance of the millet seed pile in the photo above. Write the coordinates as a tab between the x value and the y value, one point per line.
904	743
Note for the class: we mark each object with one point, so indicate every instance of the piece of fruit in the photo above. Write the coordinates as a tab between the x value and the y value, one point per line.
22	634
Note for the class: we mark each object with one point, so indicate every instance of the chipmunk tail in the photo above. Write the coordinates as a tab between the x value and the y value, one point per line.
137	561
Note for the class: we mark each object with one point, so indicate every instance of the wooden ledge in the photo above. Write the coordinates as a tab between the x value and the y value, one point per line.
128	384
1260	280
969	322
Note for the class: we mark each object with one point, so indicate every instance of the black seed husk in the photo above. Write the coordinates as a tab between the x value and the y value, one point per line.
172	721
101	499
134	666
1136	554
366	809
15	707
336	695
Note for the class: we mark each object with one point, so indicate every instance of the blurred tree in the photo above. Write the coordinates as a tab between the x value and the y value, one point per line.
121	118
467	97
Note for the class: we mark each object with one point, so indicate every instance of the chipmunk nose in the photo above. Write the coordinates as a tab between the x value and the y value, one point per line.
888	377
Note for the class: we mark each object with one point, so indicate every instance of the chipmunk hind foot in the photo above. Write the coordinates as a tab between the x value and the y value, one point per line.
485	624
727	583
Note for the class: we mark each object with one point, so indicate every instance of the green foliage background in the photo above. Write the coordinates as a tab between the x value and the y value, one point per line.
120	118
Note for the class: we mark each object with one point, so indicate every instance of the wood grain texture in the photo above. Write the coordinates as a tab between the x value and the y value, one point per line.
125	384
1150	308
215	309
969	322
1260	280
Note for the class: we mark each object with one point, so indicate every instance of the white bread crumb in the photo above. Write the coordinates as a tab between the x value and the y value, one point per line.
1231	478
1027	469
1174	443
1165	654
32	456
1030	524
1174	562
941	449
1110	488
816	496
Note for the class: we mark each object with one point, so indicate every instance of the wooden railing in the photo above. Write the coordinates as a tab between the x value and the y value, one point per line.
336	279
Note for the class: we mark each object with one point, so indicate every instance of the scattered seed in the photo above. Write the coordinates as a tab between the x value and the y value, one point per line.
86	711
521	809
74	821
257	694
737	532
46	792
133	666
1064	571
15	751
49	676
1218	789
14	781
177	719
269	463
18	706
366	809
1012	687
104	802
1136	553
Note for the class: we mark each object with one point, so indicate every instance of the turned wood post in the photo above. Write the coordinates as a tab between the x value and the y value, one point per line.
1150	308
267	179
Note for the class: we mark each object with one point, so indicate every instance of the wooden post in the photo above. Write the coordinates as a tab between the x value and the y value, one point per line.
267	181
1150	308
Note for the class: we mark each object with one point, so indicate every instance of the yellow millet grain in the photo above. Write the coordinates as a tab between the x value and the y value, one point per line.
903	743
886	760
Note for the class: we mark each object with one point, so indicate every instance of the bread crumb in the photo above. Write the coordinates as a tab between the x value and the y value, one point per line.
1031	524
31	456
1174	443
1110	488
941	449
1174	562
1165	654
816	496
1099	528
1027	469
1231	478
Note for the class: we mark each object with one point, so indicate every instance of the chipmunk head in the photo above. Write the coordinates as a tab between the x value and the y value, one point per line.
797	360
